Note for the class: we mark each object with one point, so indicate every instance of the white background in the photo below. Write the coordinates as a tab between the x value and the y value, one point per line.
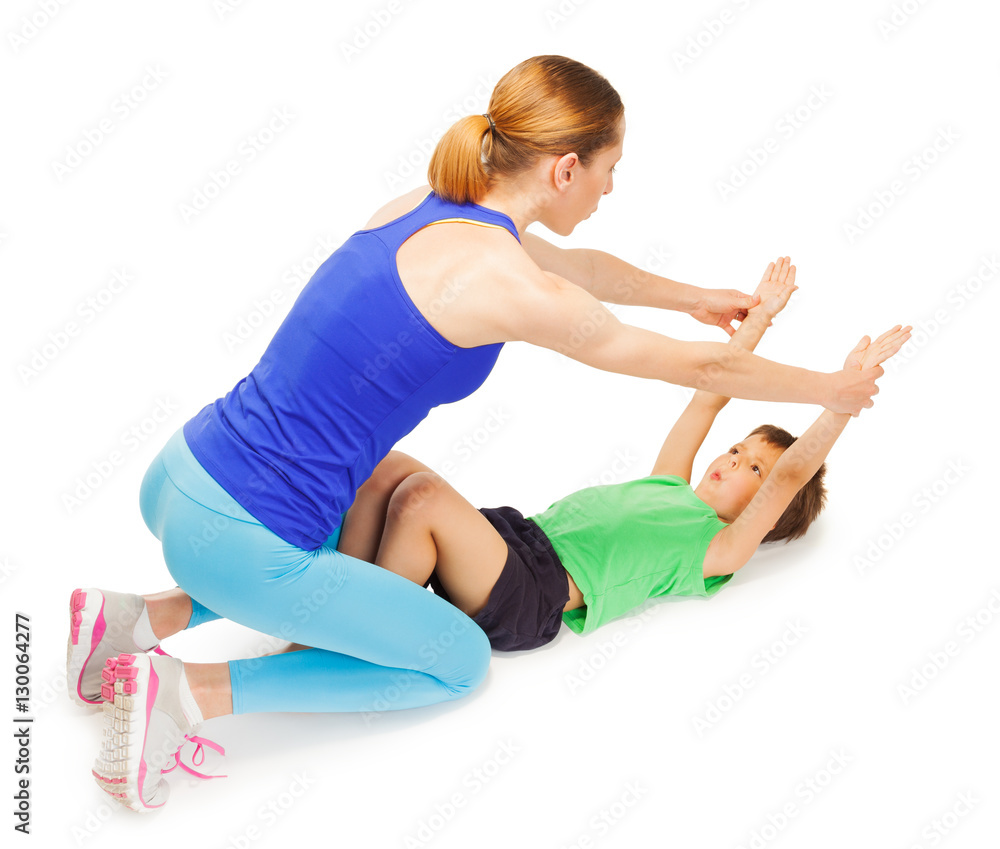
802	655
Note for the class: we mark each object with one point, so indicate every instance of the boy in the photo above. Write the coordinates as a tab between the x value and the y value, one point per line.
600	552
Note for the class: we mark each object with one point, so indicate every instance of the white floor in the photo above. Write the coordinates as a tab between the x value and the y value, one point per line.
840	690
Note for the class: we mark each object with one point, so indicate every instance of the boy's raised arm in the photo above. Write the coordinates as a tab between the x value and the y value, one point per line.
732	547
689	431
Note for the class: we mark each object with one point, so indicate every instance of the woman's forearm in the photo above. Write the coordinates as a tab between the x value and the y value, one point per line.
615	281
735	372
568	320
727	370
747	335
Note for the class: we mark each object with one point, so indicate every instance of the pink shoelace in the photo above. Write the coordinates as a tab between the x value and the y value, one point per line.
199	752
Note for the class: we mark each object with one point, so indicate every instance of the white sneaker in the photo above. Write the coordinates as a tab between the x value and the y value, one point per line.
153	714
101	626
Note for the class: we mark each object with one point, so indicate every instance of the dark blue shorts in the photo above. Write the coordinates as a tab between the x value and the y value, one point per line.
524	610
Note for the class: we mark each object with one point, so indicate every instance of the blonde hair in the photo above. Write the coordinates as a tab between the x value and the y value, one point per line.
547	105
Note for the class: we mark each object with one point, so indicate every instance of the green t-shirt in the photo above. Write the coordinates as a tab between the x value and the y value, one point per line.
629	542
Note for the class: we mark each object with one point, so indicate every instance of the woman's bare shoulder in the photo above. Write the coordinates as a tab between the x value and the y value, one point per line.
397	207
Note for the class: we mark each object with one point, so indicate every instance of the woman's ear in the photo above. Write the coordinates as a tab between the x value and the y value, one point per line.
565	170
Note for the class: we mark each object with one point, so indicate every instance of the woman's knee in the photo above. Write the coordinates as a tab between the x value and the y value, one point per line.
474	661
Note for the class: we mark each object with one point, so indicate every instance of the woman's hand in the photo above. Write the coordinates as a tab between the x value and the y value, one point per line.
721	307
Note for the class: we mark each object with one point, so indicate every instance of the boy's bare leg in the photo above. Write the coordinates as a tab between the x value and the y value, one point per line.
431	528
364	523
365	520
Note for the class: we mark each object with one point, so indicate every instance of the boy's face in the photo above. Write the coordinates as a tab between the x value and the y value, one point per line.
733	478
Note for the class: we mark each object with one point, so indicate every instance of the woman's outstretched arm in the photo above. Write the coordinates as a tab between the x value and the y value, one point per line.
546	310
615	281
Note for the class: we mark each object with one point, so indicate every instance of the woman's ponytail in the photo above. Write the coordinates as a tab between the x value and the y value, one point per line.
546	106
456	170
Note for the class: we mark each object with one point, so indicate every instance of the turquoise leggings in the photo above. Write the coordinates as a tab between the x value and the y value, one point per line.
381	642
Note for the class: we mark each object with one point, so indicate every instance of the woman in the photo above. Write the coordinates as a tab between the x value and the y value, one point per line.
248	498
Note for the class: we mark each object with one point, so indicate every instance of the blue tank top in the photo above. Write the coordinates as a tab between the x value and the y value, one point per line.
352	369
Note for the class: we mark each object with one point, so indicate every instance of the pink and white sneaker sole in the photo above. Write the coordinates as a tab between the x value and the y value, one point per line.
121	769
87	628
100	628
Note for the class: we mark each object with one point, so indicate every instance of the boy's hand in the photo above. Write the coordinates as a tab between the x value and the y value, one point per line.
775	288
868	354
862	368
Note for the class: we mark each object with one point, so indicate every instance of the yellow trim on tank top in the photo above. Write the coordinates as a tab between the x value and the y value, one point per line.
465	221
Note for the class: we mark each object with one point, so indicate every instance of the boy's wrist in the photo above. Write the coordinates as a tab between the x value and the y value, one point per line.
764	311
709	400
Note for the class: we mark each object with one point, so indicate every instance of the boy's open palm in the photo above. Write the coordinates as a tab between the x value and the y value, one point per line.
868	354
775	287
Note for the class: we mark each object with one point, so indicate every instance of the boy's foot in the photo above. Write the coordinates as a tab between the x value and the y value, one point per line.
151	717
101	627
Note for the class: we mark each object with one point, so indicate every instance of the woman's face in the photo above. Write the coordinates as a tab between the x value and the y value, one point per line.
583	187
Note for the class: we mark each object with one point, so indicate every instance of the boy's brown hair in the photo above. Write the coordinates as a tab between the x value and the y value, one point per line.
808	501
